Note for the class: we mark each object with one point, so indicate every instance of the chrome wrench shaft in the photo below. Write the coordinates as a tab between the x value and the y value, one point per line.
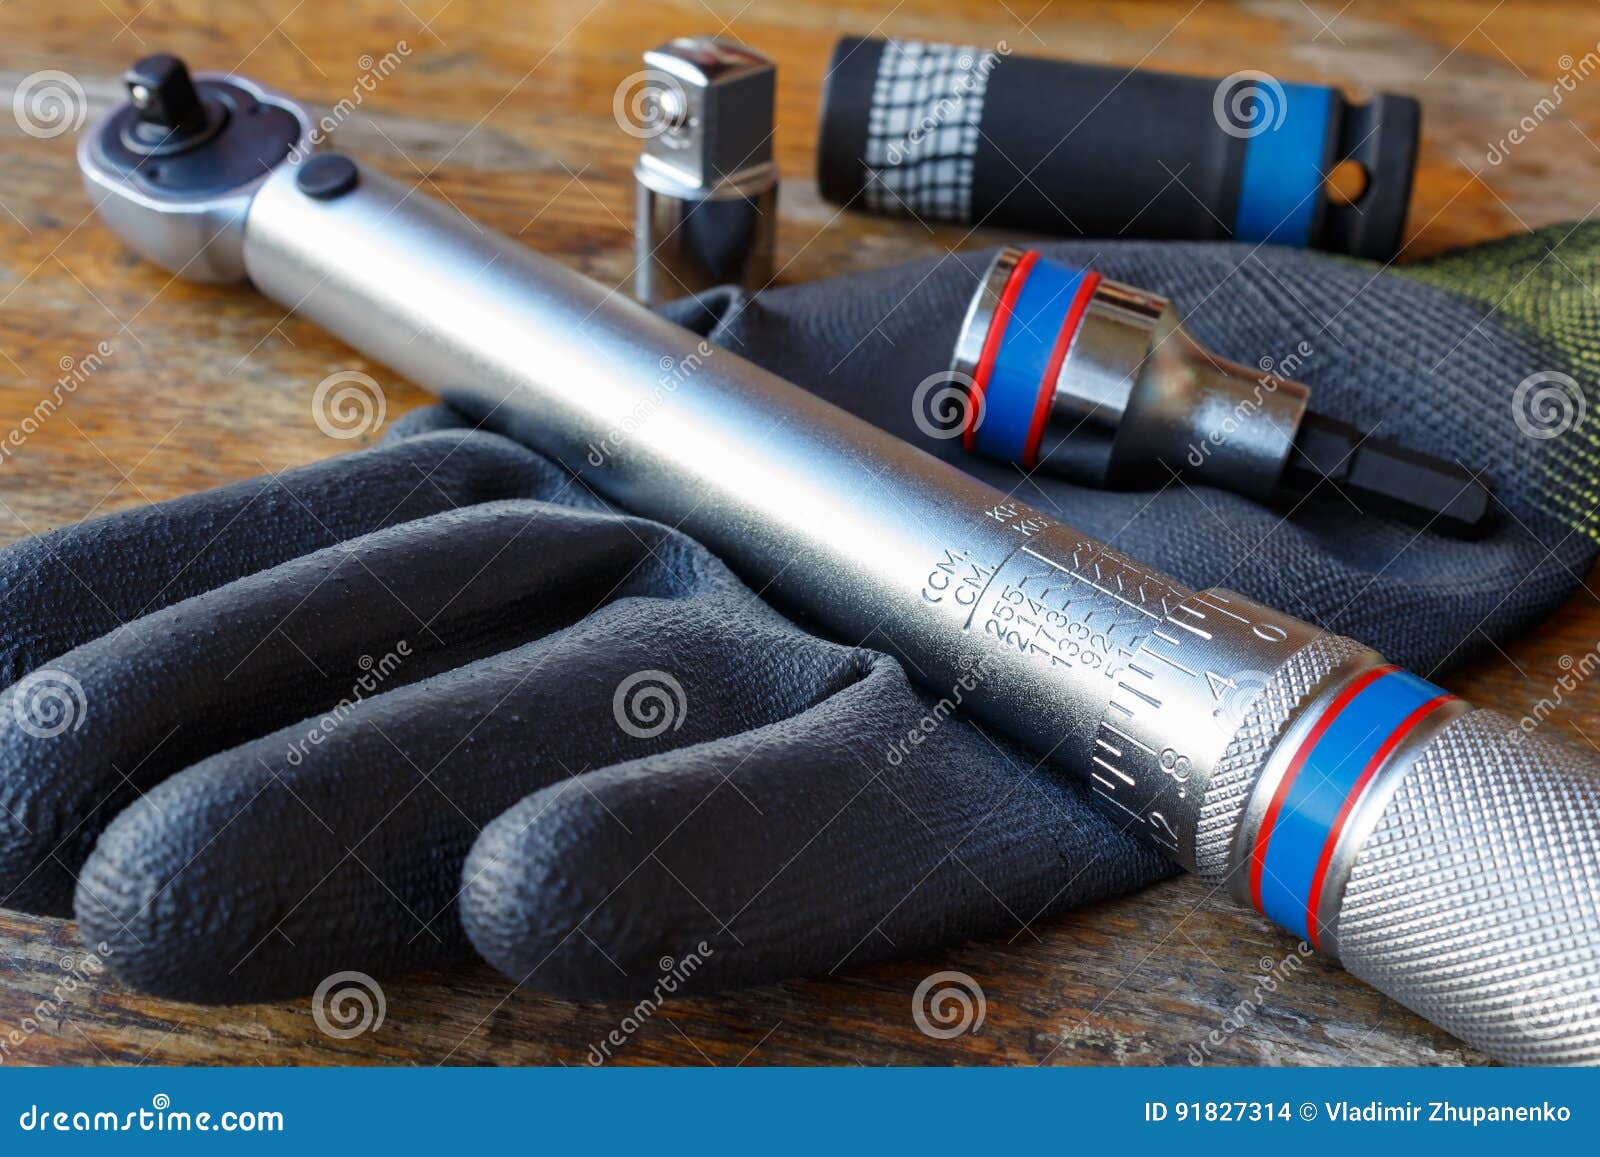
1085	654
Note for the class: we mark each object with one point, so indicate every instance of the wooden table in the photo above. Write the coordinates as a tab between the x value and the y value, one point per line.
506	110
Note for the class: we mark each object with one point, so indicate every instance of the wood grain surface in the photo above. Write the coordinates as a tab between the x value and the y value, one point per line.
505	109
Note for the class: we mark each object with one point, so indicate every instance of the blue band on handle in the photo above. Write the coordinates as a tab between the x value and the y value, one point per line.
1281	184
1332	771
1012	393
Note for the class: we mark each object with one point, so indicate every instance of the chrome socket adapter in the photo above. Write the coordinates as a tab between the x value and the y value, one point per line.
705	208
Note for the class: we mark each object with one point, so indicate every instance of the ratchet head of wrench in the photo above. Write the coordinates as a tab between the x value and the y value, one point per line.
172	170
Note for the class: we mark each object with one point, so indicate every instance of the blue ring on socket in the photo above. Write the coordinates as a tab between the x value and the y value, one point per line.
1011	395
1280	187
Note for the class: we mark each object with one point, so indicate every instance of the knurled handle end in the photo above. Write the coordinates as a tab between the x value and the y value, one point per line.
1475	900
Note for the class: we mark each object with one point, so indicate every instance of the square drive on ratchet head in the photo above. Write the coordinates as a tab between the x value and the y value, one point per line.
1434	850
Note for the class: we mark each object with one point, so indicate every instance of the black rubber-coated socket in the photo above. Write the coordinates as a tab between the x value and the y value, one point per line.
1112	175
1077	149
327	175
1382	136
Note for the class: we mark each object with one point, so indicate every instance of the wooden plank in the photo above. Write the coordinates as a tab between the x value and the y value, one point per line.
505	109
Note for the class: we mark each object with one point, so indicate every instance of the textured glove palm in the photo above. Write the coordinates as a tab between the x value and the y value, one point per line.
358	714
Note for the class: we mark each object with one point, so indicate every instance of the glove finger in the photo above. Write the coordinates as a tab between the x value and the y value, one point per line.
869	825
68	586
281	645
249	876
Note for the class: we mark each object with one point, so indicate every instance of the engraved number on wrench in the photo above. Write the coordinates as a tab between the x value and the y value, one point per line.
1165	688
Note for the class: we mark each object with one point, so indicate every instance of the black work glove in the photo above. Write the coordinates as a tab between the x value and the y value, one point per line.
364	714
432	694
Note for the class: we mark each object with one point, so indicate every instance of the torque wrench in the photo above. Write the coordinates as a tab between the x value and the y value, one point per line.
1441	856
1098	381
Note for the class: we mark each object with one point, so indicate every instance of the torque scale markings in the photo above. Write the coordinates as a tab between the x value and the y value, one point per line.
1140	646
958	577
1135	776
1089	610
1146	778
